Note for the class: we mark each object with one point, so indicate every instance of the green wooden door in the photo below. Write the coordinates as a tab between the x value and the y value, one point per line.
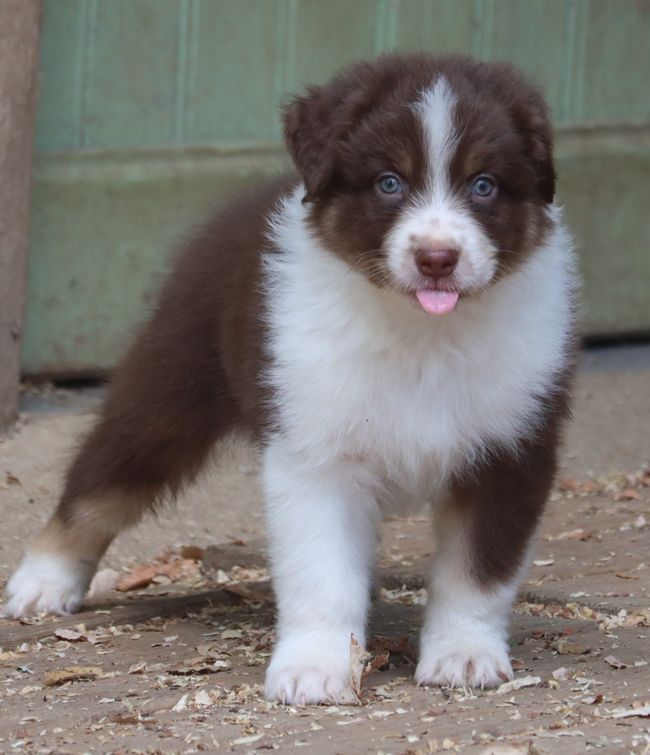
151	111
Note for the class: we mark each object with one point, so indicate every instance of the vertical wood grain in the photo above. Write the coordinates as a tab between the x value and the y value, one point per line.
617	60
331	34
129	96
184	39
441	27
232	91
19	35
537	45
59	111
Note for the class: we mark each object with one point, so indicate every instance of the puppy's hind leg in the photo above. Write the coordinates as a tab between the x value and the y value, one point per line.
167	407
59	565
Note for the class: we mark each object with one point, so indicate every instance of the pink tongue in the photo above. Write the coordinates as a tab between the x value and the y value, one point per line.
437	302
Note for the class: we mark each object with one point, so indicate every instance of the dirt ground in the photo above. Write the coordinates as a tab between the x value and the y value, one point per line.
176	664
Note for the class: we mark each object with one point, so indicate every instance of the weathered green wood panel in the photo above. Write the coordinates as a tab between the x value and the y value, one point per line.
180	98
541	28
129	92
234	70
325	36
446	26
616	60
61	64
603	184
99	276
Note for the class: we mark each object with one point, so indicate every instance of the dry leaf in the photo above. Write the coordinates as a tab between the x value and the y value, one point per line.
125	718
30	689
625	575
144	574
640	618
576	534
628	494
181	704
579	487
141	576
247	740
72	674
359	656
376	663
202	699
245	592
192	552
614	662
391	645
642	712
404	596
568	485
200	665
564	647
525	681
72	635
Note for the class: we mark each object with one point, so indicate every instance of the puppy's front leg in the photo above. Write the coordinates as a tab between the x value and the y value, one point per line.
482	533
322	525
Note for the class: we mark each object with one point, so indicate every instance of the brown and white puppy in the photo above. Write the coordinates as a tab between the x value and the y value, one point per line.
395	327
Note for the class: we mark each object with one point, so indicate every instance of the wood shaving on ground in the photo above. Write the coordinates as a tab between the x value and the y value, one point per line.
515	684
72	674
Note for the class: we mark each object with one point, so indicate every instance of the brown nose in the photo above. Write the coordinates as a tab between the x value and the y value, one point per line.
436	263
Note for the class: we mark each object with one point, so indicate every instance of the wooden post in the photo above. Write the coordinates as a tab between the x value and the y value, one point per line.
19	39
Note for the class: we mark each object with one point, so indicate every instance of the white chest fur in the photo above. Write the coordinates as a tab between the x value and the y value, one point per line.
360	372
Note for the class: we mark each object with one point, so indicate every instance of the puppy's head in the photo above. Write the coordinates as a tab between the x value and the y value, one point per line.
430	175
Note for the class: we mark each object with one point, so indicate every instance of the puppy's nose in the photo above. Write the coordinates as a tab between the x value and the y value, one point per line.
436	263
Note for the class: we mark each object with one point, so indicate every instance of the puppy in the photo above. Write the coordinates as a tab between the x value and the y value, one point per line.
393	327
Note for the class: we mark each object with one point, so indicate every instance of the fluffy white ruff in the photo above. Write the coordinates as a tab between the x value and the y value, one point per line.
364	373
47	583
379	404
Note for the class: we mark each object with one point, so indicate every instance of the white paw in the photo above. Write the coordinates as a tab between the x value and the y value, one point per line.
454	664
298	675
47	583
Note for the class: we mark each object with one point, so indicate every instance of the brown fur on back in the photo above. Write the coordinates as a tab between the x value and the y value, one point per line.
192	374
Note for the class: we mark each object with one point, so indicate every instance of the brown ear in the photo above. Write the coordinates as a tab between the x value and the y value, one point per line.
310	138
317	124
533	121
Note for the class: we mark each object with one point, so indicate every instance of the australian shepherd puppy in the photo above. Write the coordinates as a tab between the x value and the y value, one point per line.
394	326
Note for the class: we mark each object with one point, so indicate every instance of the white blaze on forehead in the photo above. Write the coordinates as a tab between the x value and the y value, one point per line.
436	109
438	216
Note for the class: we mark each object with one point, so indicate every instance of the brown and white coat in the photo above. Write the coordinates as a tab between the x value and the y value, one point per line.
394	329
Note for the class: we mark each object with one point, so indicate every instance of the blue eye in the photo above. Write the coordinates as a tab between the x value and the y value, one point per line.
389	183
484	187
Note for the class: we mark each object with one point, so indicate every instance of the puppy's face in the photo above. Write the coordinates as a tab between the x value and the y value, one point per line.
429	175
